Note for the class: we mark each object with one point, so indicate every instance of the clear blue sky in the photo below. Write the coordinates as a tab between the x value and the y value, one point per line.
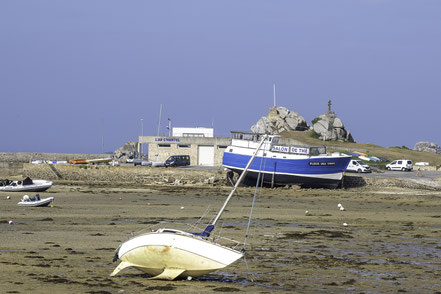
68	68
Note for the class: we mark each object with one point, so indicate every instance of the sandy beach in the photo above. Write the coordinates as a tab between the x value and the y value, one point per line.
392	241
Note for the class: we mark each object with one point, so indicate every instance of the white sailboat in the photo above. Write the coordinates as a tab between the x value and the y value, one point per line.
169	253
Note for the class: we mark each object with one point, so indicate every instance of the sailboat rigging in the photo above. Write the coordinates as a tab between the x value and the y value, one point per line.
169	253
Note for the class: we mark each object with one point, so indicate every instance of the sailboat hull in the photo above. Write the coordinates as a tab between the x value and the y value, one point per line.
169	255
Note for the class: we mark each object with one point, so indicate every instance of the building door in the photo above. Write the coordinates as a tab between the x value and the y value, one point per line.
206	155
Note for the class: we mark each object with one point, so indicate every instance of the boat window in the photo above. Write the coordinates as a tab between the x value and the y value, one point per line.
248	137
164	145
184	145
317	150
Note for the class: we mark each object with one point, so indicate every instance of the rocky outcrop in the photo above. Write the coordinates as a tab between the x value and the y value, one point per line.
427	147
327	127
280	119
128	150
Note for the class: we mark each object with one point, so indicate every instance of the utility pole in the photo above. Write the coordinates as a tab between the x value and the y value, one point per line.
102	136
142	135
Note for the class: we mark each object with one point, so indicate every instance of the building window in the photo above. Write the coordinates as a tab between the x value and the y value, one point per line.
184	145
163	145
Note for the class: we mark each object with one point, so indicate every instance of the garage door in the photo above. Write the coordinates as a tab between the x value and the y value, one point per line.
205	155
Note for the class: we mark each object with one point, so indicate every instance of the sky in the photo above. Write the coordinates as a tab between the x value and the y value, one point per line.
75	72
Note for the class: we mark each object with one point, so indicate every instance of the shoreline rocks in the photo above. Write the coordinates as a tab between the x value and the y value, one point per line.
427	147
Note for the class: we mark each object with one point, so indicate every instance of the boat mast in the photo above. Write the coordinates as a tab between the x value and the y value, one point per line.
159	120
265	137
274	94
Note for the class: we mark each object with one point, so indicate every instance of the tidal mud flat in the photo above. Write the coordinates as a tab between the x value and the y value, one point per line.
392	241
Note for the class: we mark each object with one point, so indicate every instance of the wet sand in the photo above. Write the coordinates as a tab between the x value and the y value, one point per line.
392	241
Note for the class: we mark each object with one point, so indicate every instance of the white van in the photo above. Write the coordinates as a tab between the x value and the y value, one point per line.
358	166
400	164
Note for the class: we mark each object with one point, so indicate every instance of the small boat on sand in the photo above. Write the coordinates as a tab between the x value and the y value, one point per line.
99	160
27	185
35	201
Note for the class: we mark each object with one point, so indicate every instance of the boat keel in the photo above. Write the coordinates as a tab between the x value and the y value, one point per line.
168	274
120	267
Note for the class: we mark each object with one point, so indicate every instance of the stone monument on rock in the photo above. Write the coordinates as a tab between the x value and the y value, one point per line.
329	127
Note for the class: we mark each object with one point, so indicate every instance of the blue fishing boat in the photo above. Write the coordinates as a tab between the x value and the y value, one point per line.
282	165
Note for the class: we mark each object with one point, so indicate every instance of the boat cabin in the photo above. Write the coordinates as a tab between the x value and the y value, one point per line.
250	140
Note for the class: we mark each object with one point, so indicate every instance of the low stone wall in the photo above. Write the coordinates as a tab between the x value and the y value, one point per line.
140	175
109	175
28	156
353	181
124	174
10	169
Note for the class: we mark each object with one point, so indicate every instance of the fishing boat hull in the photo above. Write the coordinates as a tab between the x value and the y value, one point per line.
166	255
36	203
36	186
288	169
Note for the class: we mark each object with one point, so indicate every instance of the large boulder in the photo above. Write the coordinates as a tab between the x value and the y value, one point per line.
280	119
427	147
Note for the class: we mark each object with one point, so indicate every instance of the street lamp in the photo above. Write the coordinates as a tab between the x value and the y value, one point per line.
169	127
142	135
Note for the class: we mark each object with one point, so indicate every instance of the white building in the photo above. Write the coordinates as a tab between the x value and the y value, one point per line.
199	143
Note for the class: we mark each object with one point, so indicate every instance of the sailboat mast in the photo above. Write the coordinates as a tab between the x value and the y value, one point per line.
159	120
265	137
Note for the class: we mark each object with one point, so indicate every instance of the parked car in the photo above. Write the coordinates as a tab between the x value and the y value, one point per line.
177	160
358	166
138	161
400	164
383	158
